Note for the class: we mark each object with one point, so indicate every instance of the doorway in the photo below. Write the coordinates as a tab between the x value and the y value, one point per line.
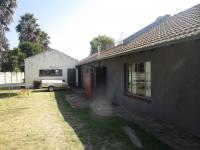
88	82
101	80
71	77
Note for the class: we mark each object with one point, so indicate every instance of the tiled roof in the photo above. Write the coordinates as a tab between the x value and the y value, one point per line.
181	26
145	29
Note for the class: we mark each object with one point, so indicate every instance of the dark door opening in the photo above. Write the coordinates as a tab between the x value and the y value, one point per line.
71	77
101	77
80	77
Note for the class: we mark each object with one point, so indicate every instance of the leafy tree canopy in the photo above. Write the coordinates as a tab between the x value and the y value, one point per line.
102	42
6	13
29	31
27	28
30	48
15	58
14	61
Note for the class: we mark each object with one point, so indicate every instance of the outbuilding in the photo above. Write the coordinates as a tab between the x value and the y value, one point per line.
154	72
51	65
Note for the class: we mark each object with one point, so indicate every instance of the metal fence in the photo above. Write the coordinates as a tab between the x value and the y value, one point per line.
11	77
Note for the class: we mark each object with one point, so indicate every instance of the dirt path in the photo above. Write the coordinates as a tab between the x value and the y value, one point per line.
34	122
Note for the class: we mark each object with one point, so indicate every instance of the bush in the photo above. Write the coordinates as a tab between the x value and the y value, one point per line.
30	48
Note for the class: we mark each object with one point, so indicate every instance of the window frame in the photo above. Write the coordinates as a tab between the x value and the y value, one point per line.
126	80
49	73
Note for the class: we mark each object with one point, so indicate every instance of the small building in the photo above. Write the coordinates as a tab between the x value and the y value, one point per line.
155	72
50	64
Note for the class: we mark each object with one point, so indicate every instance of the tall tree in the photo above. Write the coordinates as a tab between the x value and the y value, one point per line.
43	39
14	60
30	48
28	28
6	13
29	31
102	42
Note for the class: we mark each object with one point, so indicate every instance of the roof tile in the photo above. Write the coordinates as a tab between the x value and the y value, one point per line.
182	25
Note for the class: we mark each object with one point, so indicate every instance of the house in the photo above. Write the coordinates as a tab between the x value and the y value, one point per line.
50	64
155	72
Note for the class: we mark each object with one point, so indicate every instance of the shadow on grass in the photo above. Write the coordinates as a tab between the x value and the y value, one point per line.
7	95
46	90
98	133
39	90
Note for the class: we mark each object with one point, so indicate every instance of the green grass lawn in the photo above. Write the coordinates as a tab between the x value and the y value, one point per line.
44	120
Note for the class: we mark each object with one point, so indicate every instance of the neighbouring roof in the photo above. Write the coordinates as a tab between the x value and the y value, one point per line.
49	50
145	29
182	26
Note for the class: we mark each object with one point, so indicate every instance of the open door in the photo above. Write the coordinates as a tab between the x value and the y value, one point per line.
88	82
71	77
101	80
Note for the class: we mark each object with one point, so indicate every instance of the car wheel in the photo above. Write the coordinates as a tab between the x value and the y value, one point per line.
50	89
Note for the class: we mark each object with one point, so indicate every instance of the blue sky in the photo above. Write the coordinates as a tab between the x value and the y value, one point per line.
48	12
71	24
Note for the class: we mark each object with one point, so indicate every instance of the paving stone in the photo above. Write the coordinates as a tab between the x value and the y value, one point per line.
133	137
77	101
169	134
102	108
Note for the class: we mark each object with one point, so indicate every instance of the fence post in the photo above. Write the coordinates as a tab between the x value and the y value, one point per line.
16	77
11	76
4	77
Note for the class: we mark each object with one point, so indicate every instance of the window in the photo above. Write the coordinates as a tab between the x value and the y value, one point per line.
50	72
138	79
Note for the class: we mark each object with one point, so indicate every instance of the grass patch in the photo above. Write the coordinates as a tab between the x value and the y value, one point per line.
44	120
103	132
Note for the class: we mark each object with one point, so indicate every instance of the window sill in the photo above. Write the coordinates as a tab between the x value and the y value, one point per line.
143	98
50	76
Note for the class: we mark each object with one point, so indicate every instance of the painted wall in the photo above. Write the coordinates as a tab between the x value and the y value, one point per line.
175	84
51	59
11	77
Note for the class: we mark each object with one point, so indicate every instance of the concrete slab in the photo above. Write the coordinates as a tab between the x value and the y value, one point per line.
77	101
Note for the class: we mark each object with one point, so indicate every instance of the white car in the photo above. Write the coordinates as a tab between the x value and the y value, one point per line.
53	84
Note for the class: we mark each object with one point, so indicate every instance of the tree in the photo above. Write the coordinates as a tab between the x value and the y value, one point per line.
20	56
6	13
29	31
14	60
30	48
44	39
102	42
28	28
